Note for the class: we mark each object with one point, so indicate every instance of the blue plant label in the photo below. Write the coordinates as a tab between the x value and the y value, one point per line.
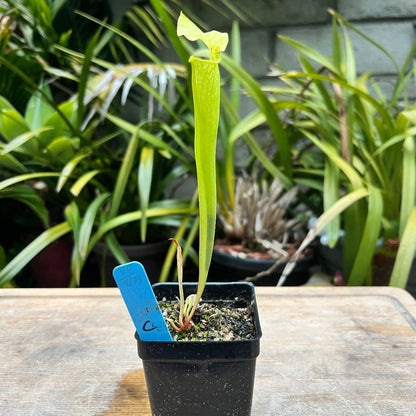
137	293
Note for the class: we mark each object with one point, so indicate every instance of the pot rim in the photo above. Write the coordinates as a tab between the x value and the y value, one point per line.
205	350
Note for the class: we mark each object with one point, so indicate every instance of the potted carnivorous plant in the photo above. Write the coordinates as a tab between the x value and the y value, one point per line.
202	361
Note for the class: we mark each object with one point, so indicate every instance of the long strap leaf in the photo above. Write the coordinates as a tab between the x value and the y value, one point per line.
330	196
369	239
405	254
386	116
124	173
264	104
336	209
170	30
25	177
408	181
145	173
28	196
132	216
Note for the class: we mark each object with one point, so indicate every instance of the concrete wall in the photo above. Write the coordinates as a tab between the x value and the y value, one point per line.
390	22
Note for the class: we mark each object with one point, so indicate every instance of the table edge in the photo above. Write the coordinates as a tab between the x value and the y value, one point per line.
404	297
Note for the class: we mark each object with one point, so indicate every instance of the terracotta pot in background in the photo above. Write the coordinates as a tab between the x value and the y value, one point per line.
52	266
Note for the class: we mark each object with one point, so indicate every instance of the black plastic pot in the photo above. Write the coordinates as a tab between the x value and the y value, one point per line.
202	378
232	268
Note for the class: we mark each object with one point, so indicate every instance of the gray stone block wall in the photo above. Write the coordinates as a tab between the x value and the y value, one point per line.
263	13
396	37
389	22
377	9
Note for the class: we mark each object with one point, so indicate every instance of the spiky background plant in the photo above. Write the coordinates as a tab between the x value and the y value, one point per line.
260	217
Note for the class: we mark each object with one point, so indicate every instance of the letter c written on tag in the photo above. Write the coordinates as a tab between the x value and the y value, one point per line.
148	326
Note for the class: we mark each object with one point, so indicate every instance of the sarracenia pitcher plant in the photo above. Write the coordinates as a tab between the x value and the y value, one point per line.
206	97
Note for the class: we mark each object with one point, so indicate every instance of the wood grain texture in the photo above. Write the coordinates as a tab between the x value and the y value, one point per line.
130	397
324	351
337	352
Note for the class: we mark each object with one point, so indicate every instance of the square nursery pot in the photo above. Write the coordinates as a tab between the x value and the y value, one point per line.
202	378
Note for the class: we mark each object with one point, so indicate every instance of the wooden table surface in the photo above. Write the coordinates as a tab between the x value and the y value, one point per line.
324	351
